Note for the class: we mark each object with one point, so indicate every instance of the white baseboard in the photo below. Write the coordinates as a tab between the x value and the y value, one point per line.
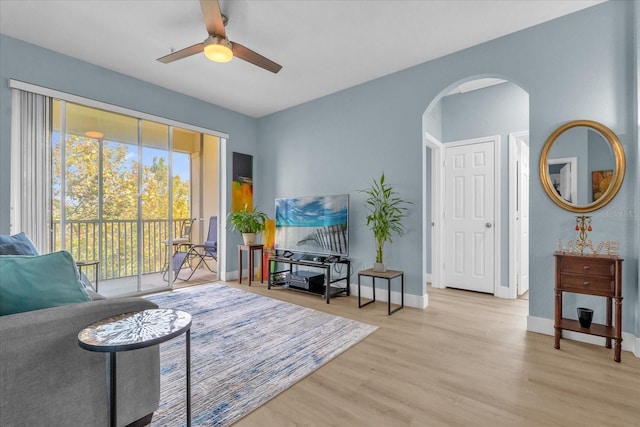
544	326
415	301
230	275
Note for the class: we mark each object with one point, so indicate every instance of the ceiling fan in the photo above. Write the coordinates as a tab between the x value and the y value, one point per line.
217	47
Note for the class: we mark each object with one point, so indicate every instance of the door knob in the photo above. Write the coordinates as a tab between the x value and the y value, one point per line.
488	225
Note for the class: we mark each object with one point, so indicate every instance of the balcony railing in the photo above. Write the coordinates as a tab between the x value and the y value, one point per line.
115	244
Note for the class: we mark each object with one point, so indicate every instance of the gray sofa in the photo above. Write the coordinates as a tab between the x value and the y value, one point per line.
47	379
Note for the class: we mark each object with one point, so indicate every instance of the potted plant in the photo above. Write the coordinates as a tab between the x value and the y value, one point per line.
386	211
248	222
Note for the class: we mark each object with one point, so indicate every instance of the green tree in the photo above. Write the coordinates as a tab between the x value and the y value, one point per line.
155	194
81	175
120	184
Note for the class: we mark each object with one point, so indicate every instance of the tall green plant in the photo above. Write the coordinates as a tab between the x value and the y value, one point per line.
247	221
386	212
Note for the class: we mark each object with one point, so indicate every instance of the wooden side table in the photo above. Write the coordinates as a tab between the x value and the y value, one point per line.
251	250
388	275
87	263
130	331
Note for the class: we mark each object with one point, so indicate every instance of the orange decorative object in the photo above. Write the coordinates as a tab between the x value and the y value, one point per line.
269	240
265	262
269	234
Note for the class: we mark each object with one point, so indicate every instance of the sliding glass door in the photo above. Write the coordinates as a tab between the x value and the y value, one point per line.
121	189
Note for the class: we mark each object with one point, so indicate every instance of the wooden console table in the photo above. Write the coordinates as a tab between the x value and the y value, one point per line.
598	275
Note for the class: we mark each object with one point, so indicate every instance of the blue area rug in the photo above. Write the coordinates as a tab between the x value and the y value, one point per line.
245	349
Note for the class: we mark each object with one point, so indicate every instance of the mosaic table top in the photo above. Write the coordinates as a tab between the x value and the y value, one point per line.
134	330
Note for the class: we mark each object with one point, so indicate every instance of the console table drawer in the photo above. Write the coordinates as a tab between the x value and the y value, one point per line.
587	267
582	282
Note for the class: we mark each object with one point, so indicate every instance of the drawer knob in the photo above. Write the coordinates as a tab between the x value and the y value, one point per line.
586	268
587	283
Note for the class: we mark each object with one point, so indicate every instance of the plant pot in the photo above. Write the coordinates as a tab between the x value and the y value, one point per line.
585	316
378	266
249	238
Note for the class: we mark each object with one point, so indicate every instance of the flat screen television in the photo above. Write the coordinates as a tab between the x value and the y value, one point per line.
315	224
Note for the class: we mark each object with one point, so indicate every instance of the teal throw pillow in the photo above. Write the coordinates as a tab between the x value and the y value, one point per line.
35	282
17	248
21	241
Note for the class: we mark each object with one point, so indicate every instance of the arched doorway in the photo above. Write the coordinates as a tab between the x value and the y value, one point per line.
467	113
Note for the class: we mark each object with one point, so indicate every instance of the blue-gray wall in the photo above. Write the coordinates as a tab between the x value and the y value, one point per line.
32	64
340	142
497	110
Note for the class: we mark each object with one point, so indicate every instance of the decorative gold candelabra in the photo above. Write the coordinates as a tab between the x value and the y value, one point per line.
578	246
583	226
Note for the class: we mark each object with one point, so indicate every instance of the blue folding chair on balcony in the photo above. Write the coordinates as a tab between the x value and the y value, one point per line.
181	249
190	256
209	249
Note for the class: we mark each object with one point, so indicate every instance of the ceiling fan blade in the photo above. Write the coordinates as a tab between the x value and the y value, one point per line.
255	58
187	51
213	17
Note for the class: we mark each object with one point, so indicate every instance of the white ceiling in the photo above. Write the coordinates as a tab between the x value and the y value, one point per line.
324	46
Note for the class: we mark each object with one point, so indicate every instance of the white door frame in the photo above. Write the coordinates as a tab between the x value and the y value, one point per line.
437	206
437	203
514	138
221	264
573	161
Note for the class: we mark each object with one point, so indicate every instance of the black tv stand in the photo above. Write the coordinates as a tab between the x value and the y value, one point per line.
277	277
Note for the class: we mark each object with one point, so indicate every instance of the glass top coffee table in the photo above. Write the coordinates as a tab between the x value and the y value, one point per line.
131	331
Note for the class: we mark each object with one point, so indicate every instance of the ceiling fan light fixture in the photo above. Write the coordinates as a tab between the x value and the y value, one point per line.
218	49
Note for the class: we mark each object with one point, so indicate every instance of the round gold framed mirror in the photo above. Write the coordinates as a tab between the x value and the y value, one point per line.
582	166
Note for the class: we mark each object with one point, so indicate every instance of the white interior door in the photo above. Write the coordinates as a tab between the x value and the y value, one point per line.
469	216
565	182
523	215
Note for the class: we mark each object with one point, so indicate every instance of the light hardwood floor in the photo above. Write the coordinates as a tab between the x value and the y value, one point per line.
466	360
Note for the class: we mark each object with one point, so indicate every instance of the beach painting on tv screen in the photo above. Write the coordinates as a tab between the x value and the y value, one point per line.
316	224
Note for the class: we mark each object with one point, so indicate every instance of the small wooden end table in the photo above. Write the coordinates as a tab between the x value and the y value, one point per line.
131	331
251	249
87	263
388	275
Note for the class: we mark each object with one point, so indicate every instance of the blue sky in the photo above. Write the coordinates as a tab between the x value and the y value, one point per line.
181	161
